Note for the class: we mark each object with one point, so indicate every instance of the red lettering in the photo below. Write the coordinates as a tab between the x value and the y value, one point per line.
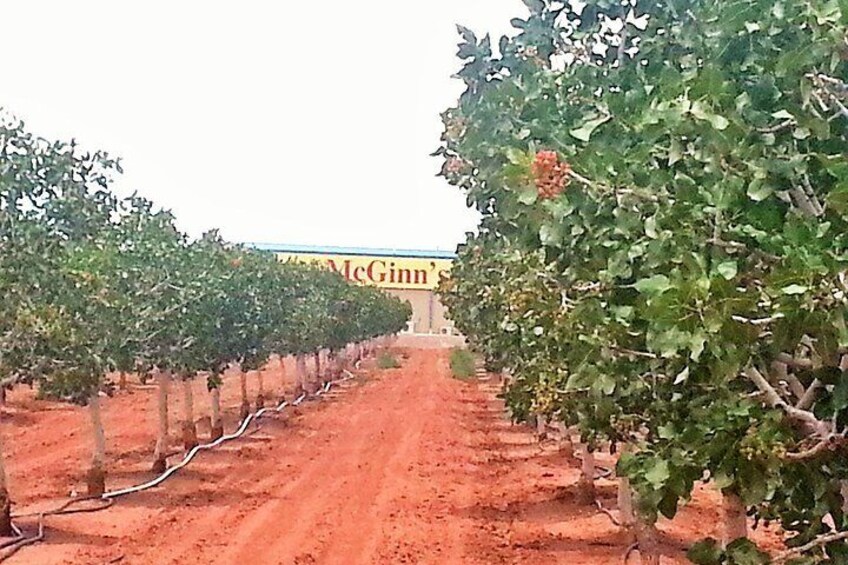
357	274
380	276
345	272
404	276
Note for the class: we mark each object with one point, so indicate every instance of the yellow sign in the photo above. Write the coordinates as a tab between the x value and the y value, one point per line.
383	272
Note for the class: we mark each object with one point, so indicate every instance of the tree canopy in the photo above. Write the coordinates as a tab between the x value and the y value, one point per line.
662	255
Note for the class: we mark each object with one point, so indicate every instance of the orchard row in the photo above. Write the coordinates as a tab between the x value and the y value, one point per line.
95	285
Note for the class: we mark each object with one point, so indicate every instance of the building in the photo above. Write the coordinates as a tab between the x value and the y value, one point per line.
409	274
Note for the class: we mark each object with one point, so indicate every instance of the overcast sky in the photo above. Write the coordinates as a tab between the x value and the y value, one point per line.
282	122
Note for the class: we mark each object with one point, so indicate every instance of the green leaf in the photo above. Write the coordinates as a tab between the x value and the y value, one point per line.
585	131
745	552
658	474
606	384
550	235
827	12
782	115
837	199
651	227
675	152
759	190
528	197
706	552
655	285
516	156
794	289
697	344
666	431
702	112
727	269
801	133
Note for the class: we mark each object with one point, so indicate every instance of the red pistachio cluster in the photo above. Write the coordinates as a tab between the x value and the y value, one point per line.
550	174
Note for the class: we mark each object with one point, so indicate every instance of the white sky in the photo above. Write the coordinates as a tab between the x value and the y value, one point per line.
283	122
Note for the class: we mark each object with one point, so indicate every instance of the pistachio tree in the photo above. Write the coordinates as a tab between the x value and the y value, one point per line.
681	167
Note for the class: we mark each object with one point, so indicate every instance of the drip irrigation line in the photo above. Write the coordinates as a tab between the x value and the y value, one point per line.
21	540
608	513
633	547
603	472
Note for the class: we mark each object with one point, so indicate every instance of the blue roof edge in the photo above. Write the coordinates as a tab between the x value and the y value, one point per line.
329	249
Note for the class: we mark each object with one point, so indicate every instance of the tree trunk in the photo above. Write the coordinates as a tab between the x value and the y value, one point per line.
646	537
625	503
122	381
5	503
96	479
217	427
300	373
541	427
625	498
260	395
2	396
283	383
567	445
735	517
843	488
586	484
189	428
317	357
341	362
160	452
245	403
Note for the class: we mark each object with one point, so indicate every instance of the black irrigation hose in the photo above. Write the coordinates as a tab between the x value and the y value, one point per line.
604	473
608	513
633	547
12	546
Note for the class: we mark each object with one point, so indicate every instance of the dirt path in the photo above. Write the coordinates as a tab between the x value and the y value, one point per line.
370	476
403	466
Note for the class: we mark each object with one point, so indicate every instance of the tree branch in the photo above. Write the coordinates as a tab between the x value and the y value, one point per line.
808	419
758	322
625	351
729	245
830	443
809	397
803	202
794	362
778	127
811	195
622	46
782	375
817	542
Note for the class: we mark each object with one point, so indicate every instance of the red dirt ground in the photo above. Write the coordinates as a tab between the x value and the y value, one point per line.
401	466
